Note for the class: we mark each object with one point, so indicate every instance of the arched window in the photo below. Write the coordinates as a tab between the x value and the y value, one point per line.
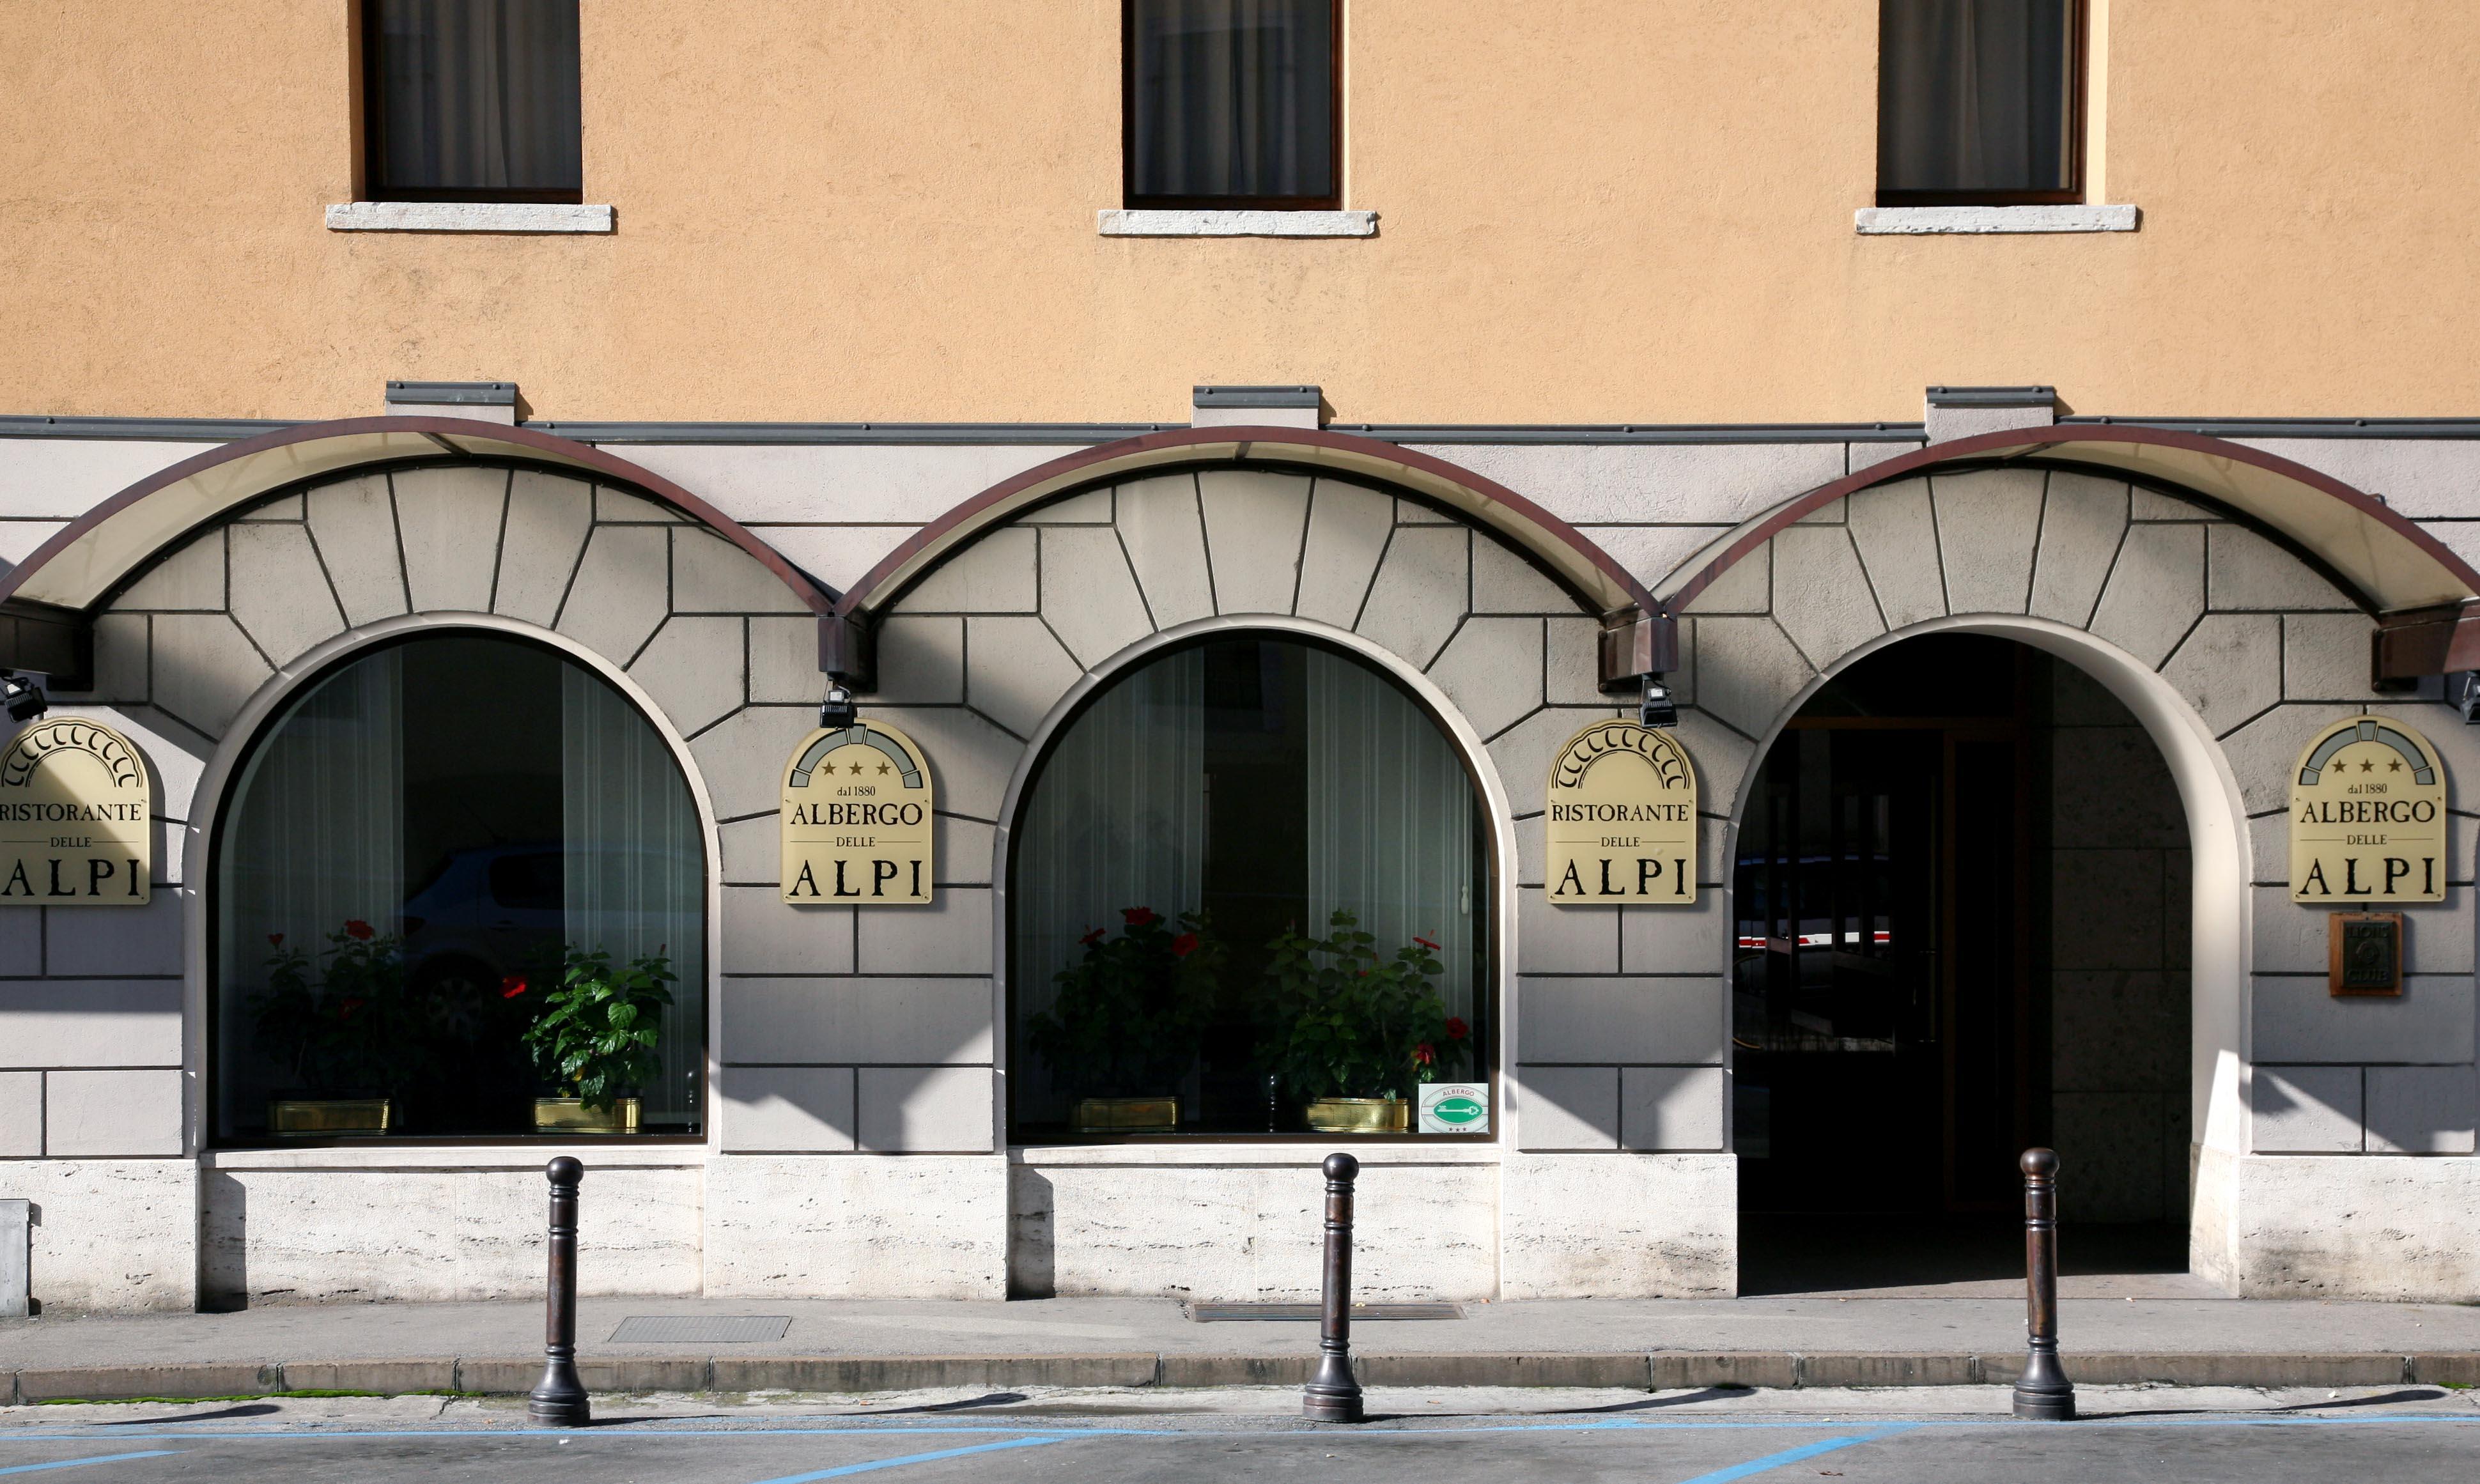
1250	873
419	863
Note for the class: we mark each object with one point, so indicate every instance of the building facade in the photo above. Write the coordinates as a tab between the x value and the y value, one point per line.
1192	458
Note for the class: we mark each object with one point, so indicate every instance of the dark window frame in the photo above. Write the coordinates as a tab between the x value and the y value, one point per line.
1491	1010
375	184
211	1135
2080	73
1133	200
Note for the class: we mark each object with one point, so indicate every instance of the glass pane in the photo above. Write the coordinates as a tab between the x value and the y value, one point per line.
1231	98
476	95
1204	807
411	848
1975	95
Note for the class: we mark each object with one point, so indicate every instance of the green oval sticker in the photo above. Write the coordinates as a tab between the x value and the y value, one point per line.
1456	1110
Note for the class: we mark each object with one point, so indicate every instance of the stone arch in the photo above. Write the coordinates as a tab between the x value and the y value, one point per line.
205	642
1639	640
2231	649
976	659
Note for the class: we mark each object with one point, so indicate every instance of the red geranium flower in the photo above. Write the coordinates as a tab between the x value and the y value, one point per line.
358	929
275	940
1183	945
511	987
348	1007
1457	1029
1425	942
1138	916
1424	1054
1092	938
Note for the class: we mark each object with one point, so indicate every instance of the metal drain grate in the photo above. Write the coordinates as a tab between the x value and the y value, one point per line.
699	1329
1208	1313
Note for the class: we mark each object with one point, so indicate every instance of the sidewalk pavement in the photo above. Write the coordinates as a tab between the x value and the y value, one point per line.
884	1345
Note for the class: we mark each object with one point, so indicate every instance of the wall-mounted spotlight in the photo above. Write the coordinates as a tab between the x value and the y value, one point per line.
1657	708
838	710
23	696
2462	692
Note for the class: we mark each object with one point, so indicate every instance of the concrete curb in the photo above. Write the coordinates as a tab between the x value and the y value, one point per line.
1659	1370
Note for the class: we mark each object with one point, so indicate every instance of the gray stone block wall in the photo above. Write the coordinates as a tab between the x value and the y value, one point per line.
2118	987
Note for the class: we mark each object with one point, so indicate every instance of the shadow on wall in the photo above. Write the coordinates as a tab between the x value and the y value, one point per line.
1032	1236
223	1252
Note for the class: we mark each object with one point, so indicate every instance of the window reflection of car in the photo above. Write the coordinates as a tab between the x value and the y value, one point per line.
501	911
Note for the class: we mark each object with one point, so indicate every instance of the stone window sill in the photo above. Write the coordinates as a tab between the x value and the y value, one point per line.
466	216
1236	224
1985	220
1295	1155
412	1156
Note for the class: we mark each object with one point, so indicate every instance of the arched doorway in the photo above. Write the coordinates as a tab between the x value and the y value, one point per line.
1961	888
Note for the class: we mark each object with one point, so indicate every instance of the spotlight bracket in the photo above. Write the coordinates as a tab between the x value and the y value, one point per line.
1655	705
838	710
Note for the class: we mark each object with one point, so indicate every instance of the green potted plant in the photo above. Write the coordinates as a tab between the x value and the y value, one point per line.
1350	1034
342	1024
597	1037
1129	1017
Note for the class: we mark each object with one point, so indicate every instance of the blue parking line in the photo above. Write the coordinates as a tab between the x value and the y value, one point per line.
79	1462
1791	1456
909	1458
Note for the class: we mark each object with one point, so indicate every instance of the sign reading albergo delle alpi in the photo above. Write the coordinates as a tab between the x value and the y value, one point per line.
857	819
1622	818
2367	816
75	804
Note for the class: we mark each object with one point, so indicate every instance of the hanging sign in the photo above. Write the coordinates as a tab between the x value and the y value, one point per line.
1622	818
857	819
76	811
2367	816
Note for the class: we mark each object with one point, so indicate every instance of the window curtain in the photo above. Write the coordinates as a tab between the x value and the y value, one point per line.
315	841
634	879
1391	837
1975	96
1117	820
478	94
1232	97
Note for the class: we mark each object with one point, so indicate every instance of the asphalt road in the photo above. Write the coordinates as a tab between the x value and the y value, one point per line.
2154	1437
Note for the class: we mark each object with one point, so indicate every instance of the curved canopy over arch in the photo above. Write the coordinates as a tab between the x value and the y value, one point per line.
1638	637
2426	599
47	601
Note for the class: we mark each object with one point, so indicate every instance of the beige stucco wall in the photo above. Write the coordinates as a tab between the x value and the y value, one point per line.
1601	210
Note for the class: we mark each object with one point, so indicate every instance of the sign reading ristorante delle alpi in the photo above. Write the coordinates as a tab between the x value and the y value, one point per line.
75	817
1622	818
2367	816
857	819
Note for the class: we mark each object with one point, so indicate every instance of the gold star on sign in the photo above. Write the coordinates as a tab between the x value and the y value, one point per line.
883	769
2394	766
2368	767
856	767
2338	765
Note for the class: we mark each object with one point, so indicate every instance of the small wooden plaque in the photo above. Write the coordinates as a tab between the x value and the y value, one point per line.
2363	953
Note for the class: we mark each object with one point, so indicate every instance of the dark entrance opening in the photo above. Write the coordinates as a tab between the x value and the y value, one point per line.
1956	938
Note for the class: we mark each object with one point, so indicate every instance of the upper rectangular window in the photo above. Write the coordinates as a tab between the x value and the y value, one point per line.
471	100
1233	103
1979	102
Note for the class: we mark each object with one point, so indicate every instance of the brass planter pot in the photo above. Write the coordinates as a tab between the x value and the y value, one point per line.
571	1115
1360	1114
329	1117
1125	1115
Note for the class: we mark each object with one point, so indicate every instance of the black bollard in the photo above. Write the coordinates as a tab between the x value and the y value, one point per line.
558	1398
1333	1395
2043	1393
